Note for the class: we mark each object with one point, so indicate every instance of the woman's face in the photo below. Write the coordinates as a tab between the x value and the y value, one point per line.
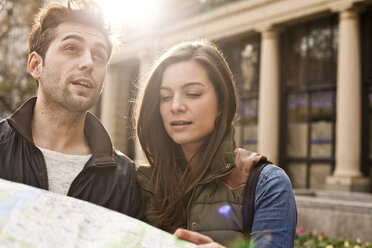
188	105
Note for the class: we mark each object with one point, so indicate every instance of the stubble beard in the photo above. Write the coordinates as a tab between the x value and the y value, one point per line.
56	93
78	103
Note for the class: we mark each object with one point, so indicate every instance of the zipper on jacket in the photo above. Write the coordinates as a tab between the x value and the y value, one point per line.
193	192
46	178
88	165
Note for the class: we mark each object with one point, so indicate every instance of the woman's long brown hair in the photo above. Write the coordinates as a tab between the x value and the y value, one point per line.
174	178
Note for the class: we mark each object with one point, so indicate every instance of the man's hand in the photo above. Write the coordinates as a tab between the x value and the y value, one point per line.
200	240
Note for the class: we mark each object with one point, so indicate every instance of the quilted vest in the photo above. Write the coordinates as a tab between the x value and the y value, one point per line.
216	202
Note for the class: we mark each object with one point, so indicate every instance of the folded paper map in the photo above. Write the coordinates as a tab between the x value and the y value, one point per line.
31	217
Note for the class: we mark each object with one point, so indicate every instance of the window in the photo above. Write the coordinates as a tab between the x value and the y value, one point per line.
308	84
243	56
366	40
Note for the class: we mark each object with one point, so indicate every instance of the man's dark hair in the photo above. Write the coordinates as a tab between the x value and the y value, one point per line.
50	16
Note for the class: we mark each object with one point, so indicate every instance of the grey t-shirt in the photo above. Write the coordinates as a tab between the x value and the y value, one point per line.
62	169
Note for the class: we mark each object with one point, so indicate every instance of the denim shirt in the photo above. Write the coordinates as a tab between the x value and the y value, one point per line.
275	217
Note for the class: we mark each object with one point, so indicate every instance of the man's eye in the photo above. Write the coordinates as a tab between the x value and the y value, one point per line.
71	48
101	57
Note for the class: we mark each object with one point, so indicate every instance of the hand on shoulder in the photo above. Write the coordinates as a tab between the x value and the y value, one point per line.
245	160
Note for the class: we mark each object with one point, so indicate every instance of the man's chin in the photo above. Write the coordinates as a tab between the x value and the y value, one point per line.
81	104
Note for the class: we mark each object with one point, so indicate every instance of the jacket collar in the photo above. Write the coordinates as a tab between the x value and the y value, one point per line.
223	160
222	163
97	137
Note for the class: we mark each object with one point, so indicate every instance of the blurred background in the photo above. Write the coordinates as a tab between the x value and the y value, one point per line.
303	70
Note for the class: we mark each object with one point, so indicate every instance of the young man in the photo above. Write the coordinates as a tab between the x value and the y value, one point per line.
51	142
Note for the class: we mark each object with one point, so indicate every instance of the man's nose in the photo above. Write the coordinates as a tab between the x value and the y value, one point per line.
86	62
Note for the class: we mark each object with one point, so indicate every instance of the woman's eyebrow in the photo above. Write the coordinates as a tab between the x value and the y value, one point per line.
192	84
165	88
184	85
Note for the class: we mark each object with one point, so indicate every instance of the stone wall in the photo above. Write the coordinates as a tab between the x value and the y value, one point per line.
338	214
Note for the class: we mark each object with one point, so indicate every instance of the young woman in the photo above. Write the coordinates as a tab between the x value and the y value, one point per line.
196	174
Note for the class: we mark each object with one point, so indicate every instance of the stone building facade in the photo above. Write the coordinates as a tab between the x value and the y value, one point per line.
304	75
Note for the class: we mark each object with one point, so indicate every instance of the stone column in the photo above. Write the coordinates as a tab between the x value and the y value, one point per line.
145	64
268	105
347	174
108	105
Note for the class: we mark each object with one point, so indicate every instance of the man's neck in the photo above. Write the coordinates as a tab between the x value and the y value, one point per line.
57	129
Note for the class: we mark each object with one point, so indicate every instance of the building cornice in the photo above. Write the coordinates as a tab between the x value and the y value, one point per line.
232	19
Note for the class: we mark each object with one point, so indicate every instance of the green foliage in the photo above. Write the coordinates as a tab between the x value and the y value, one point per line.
314	240
242	243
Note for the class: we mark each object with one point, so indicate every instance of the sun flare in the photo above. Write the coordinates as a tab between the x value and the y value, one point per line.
129	13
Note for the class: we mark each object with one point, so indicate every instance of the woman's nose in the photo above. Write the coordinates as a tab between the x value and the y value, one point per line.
178	104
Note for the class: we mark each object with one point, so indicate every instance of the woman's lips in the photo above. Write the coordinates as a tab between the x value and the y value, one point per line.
180	123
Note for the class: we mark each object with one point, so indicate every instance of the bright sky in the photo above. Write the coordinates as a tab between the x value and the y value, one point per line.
131	13
128	13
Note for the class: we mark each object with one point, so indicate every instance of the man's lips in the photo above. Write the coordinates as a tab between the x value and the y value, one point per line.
83	82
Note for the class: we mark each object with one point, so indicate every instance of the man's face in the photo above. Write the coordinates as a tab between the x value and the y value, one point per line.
74	68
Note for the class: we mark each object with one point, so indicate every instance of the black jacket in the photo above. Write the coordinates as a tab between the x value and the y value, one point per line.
107	179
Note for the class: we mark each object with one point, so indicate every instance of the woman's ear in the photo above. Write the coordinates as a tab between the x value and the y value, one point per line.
34	65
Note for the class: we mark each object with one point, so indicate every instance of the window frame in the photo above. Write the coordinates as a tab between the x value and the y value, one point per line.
308	159
366	57
227	47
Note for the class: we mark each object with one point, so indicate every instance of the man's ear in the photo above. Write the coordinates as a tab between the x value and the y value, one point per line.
34	65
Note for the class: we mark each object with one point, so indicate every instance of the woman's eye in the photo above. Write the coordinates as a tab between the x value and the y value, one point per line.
194	95
165	98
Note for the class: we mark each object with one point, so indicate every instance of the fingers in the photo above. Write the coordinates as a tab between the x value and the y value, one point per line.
193	237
